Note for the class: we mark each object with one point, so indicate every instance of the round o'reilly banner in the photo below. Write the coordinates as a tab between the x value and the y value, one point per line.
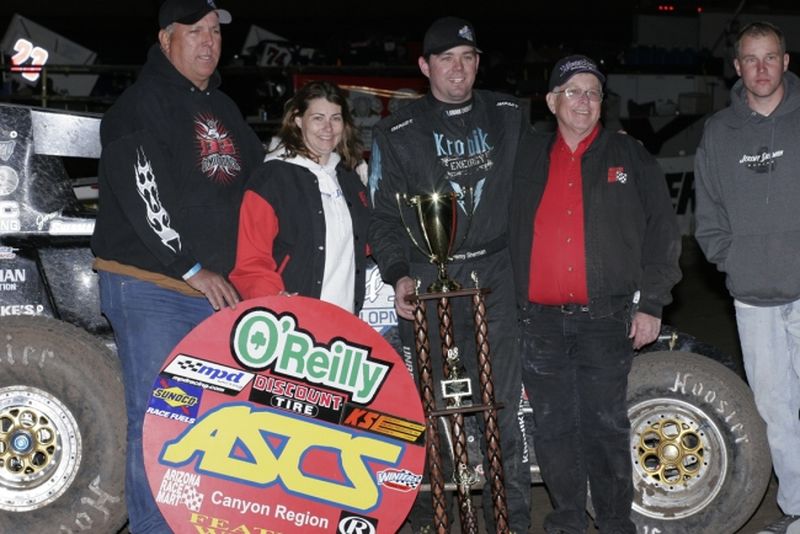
284	415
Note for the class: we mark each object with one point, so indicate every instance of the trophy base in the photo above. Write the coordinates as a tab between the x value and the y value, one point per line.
456	391
444	286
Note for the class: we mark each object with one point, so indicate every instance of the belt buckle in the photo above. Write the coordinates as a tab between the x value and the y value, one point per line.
572	308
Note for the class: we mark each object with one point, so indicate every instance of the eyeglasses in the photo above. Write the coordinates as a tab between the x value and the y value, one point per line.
573	93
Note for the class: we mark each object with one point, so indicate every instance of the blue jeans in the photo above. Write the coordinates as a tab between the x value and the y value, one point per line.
770	338
148	321
575	369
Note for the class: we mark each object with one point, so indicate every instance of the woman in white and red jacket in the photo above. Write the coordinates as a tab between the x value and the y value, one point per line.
304	218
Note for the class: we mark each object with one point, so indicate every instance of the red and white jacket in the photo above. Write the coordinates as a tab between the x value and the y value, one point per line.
282	231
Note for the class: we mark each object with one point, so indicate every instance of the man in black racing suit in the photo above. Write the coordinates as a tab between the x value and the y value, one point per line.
456	139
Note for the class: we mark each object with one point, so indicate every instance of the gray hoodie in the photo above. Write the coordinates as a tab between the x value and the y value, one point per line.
747	183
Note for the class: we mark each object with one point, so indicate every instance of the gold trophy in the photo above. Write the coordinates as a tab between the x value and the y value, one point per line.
437	218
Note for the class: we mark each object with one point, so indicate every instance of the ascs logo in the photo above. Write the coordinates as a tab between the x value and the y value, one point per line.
356	524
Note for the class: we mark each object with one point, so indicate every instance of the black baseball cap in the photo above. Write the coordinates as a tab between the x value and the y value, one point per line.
446	33
569	66
189	12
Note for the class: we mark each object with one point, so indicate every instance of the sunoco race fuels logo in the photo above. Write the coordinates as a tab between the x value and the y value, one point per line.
209	375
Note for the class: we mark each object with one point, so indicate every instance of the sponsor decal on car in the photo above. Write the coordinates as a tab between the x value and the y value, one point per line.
378	310
8	253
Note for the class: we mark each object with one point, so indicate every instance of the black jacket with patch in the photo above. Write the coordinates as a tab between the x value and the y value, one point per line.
631	233
172	172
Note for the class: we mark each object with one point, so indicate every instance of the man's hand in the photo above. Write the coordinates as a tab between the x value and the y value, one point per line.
644	329
404	289
217	290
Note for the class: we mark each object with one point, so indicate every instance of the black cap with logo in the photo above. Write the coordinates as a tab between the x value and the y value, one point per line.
446	33
189	12
569	66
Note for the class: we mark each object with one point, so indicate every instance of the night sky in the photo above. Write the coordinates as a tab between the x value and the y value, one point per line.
121	30
520	40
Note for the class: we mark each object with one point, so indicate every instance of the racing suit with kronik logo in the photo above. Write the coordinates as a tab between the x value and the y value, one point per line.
426	147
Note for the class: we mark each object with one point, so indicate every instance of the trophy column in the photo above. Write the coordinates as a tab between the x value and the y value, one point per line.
454	390
437	220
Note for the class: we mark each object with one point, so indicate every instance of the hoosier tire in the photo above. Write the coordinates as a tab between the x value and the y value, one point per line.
62	430
701	462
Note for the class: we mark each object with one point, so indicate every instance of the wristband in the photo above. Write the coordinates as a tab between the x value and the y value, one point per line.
193	271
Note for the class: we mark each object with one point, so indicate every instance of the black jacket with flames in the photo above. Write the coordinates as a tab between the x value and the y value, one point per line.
172	172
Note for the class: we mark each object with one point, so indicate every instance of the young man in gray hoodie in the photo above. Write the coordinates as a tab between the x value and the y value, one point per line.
747	173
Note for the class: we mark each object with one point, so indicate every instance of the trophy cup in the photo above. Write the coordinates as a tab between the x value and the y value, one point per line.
437	217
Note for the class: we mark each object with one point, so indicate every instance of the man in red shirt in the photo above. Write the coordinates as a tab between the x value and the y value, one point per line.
595	247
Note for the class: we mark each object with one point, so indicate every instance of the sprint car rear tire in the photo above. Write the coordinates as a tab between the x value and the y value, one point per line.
701	462
62	430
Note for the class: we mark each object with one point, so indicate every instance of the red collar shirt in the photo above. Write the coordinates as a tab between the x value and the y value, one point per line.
558	257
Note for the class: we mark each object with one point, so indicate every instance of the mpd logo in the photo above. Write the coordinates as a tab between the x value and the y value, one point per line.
208	375
356	524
